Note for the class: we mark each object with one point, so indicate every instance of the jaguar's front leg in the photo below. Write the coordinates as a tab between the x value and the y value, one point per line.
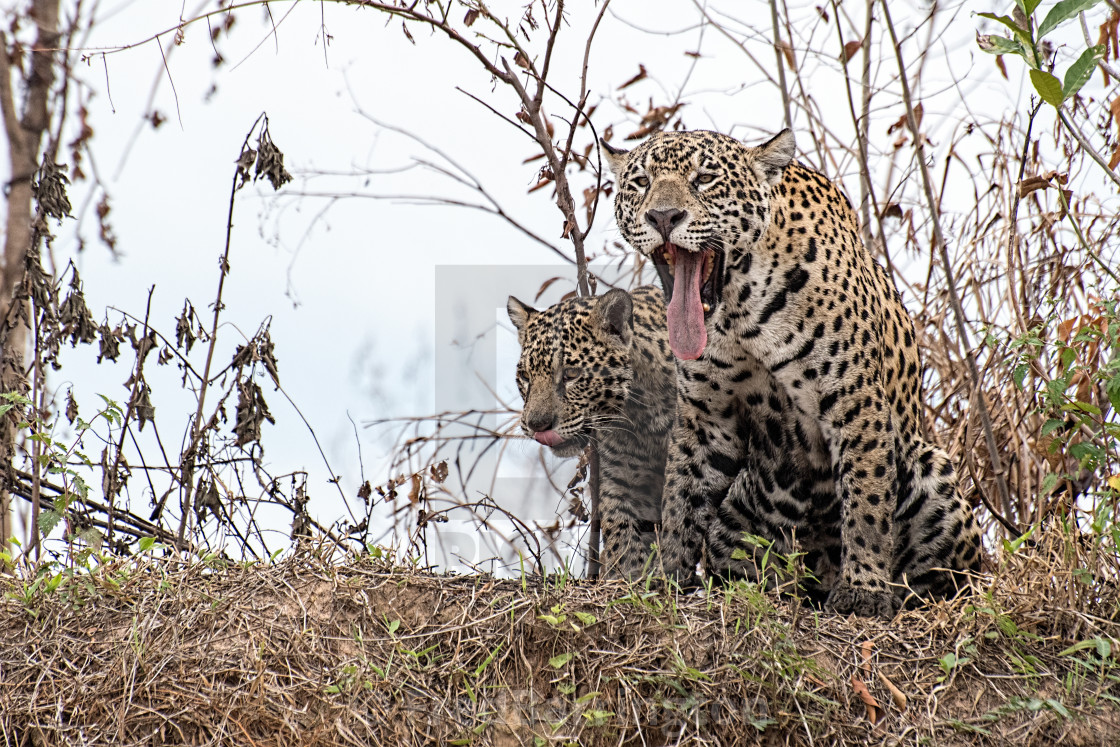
699	472
864	457
630	488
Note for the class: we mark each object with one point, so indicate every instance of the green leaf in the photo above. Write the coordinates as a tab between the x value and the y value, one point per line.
1112	388
393	626
1019	374
1051	425
48	520
1057	707
1014	545
996	44
560	660
1048	483
1077	404
586	618
1061	13
1028	6
1085	451
1103	647
146	543
1081	70
1048	87
486	662
1023	35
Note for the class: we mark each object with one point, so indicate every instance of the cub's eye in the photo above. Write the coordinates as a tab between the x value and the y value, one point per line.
704	178
571	374
641	181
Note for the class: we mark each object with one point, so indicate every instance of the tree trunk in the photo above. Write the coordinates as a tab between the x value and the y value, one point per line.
24	135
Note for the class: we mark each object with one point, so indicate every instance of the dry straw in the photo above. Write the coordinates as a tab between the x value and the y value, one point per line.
305	652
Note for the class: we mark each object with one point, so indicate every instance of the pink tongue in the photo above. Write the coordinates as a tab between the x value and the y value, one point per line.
687	336
548	438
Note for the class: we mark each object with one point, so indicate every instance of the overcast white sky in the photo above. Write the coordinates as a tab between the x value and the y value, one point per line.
362	340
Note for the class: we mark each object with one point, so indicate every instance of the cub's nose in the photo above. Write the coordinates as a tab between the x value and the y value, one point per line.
665	220
538	422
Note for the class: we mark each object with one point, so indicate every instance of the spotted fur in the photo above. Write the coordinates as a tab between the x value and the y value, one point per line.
800	413
600	369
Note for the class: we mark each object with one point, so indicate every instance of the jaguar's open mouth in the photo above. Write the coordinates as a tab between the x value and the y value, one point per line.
693	280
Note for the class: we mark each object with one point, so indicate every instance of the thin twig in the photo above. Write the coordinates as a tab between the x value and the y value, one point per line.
781	63
1088	147
978	398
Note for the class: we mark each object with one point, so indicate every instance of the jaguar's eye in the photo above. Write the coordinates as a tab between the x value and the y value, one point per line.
571	374
641	181
705	178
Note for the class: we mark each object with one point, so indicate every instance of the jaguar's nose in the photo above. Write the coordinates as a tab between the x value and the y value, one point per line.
538	422
665	220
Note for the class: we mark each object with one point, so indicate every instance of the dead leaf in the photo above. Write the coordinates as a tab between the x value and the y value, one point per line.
1002	67
1067	201
654	120
407	33
865	649
438	472
897	695
874	710
850	50
414	493
544	286
1114	107
787	53
893	210
471	17
901	121
546	179
1110	38
640	76
521	60
1031	184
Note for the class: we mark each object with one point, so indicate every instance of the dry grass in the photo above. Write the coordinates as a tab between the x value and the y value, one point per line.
306	652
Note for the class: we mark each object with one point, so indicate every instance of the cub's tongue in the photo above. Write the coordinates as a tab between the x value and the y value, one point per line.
548	438
687	336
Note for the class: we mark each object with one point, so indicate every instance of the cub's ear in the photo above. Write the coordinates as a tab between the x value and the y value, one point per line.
616	157
772	157
519	313
615	311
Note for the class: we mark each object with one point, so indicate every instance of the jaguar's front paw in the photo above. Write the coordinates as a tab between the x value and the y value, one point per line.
846	599
676	581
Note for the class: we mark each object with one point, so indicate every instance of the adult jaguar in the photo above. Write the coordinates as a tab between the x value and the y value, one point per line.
600	368
762	263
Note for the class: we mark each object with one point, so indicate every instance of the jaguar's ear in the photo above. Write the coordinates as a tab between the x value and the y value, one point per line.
519	313
616	157
615	311
772	157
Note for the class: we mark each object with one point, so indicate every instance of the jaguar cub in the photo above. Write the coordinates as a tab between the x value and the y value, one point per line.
600	369
765	274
